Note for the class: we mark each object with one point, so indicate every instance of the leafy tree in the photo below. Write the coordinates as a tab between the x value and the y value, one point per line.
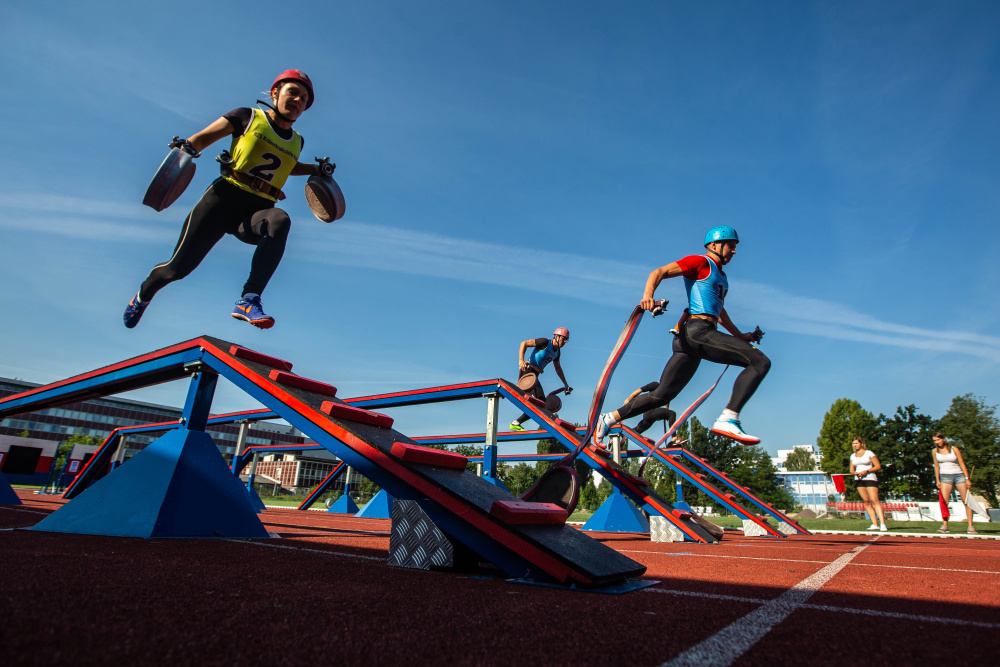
24	434
974	428
903	447
845	420
755	470
800	460
588	492
469	450
518	478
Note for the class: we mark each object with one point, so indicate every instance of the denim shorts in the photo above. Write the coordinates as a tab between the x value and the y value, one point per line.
953	479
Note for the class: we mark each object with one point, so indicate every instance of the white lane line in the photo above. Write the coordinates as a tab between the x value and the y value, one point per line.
316	551
916	567
725	646
792	560
21	509
772	560
846	610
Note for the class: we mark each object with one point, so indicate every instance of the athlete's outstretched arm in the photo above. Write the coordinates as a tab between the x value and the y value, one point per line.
732	328
671	270
217	130
559	372
305	169
525	344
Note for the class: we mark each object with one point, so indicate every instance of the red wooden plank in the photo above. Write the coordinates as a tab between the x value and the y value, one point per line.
536	401
349	412
440	458
520	513
251	355
293	380
682	514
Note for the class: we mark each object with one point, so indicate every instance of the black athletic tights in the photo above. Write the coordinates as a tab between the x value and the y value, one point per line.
225	209
699	340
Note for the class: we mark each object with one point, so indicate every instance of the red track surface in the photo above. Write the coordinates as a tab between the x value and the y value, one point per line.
323	594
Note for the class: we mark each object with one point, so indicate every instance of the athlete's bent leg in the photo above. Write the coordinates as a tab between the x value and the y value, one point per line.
268	230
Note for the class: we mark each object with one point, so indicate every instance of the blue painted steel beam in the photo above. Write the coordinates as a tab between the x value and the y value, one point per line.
323	486
133	374
700	484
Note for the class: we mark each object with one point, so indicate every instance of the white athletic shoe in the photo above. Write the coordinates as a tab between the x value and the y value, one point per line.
883	529
873	527
731	429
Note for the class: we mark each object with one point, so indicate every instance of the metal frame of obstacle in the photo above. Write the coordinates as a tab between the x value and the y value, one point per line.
526	540
664	456
564	432
462	392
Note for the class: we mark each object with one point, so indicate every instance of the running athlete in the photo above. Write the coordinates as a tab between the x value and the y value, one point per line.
546	351
698	338
650	417
264	153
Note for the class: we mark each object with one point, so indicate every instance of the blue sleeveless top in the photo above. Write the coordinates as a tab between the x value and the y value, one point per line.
541	357
706	296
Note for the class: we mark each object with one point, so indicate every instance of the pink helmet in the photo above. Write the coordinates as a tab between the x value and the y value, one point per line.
562	331
296	75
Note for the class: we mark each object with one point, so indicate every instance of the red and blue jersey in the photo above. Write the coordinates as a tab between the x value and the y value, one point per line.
705	283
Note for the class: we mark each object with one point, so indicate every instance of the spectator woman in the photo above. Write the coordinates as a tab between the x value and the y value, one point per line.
864	465
950	473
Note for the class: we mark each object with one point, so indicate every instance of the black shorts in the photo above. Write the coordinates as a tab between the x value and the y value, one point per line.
867	482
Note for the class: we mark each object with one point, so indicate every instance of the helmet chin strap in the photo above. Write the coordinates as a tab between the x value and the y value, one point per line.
276	112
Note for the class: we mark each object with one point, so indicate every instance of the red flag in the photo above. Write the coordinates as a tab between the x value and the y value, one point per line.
945	514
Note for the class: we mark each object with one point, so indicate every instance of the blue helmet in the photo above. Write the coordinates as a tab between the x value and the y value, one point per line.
721	233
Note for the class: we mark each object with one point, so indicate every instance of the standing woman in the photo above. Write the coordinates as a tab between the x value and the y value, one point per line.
864	465
264	153
950	472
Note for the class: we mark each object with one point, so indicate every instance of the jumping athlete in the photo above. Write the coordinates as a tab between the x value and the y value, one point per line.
264	153
545	351
650	417
698	338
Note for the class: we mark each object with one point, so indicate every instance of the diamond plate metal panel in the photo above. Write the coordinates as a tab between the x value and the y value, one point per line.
786	528
751	529
661	530
415	541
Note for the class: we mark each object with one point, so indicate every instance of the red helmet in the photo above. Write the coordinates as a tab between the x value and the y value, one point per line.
296	75
562	331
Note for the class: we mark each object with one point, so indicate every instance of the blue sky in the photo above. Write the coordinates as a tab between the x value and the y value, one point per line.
511	167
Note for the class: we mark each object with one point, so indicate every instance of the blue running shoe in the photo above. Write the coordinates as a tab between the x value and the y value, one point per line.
249	309
134	311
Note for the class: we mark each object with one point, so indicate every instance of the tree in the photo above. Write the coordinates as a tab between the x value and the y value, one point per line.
518	478
903	447
974	428
756	471
845	420
588	492
469	450
800	460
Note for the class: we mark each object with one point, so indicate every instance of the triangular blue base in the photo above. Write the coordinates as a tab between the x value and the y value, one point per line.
618	515
255	500
179	486
344	505
7	495
379	507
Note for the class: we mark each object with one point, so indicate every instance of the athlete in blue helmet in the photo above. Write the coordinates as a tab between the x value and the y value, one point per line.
698	338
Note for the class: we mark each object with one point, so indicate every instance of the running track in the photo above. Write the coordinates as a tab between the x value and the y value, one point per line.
323	594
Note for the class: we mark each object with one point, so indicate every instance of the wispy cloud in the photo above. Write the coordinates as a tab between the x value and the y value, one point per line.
610	283
595	280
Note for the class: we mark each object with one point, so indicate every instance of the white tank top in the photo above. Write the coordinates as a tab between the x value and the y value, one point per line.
948	463
864	462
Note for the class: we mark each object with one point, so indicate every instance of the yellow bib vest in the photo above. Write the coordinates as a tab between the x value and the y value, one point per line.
261	153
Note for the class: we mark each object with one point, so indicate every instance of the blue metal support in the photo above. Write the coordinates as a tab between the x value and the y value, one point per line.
198	404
